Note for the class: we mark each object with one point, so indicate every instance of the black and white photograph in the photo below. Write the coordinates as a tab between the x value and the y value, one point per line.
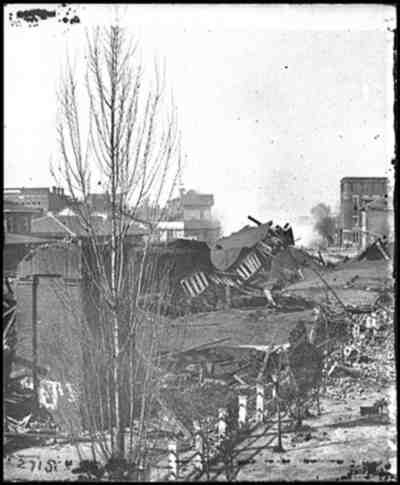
199	262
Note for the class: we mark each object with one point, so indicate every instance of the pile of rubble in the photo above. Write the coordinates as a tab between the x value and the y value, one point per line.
366	361
373	470
24	419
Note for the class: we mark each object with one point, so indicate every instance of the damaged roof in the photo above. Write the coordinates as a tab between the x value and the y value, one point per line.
226	250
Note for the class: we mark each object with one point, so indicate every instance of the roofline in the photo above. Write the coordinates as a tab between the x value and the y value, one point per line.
29	239
345	179
22	210
27	188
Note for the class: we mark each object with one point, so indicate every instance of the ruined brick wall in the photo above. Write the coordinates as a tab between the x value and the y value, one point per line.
59	314
58	328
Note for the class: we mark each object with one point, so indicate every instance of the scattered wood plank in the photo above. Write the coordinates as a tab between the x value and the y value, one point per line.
202	346
240	380
164	406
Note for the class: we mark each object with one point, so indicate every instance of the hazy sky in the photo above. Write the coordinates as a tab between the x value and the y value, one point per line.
276	103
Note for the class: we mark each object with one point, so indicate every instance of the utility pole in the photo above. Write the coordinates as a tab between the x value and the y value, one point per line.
35	282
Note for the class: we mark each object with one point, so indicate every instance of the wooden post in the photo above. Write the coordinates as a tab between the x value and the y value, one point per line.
172	461
221	423
356	331
279	448
228	301
198	445
325	372
318	401
201	373
242	410
144	472
35	281
374	325
259	402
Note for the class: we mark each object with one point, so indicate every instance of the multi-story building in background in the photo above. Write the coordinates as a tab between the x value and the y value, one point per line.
197	216
43	199
194	210
356	194
187	216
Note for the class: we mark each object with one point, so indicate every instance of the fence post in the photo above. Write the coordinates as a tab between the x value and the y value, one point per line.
242	410
259	402
356	331
172	460
198	444
228	300
221	423
279	447
325	371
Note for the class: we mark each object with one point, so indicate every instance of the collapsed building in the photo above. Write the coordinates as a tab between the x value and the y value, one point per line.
55	293
241	264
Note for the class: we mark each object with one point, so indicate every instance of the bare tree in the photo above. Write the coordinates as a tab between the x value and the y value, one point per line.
132	150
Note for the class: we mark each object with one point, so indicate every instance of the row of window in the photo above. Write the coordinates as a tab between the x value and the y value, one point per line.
17	225
365	187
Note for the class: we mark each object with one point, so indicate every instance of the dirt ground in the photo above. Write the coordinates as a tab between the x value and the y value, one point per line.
327	447
371	275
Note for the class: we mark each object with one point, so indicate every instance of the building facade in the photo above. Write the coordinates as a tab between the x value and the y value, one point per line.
17	218
197	216
355	194
39	198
